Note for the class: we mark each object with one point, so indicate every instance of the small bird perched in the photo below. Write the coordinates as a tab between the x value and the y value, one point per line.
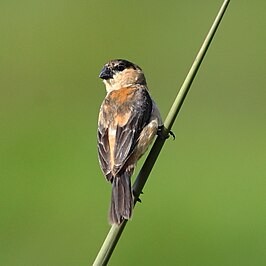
128	121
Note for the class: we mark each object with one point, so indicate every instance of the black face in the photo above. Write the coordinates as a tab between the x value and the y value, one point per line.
115	66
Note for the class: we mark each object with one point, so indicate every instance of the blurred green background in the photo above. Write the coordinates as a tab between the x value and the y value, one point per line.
204	203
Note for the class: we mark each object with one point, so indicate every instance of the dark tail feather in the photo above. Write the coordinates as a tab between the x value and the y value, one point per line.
122	199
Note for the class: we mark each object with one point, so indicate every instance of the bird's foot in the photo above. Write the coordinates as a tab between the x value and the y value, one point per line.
162	133
137	199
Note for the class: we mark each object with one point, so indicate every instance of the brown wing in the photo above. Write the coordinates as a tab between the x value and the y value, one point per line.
124	113
104	150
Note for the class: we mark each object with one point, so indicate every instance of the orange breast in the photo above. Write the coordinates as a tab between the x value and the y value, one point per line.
122	95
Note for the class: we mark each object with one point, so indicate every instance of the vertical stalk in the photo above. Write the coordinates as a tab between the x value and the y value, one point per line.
116	231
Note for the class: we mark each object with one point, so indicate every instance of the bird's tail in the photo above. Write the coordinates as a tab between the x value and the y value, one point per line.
121	200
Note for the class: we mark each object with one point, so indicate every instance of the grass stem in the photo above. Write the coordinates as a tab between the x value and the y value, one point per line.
116	231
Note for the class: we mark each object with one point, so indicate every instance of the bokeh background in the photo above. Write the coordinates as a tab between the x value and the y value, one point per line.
204	203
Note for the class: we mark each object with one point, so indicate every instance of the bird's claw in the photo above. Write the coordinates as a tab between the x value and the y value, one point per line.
172	134
161	134
137	199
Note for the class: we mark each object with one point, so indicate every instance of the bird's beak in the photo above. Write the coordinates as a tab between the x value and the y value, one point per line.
106	73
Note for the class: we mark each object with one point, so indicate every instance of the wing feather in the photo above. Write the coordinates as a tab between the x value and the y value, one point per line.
135	113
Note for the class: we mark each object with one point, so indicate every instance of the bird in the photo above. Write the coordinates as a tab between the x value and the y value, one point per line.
128	121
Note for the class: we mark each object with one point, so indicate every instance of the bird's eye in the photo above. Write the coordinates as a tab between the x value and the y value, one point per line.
120	67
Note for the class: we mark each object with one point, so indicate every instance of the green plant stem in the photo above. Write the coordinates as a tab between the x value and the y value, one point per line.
116	231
